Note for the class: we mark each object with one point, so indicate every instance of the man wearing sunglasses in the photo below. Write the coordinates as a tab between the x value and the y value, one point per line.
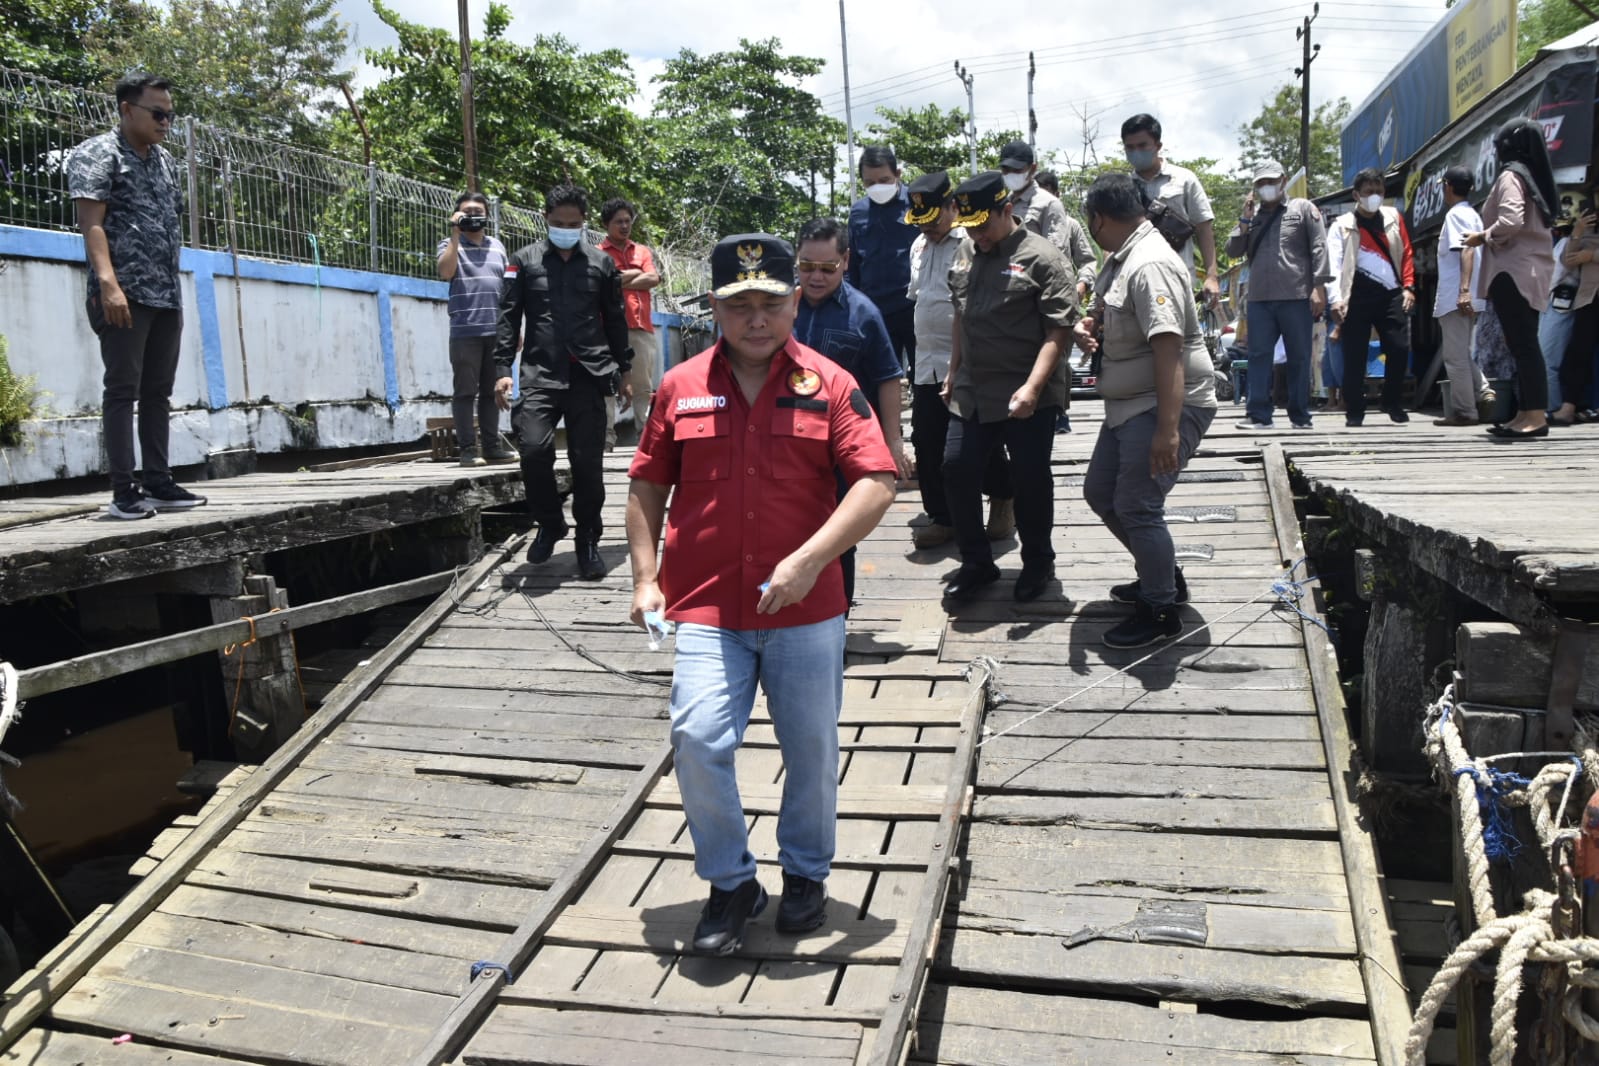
129	196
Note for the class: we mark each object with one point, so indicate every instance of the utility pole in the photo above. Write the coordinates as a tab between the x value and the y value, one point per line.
468	115
971	112
1032	116
849	115
1303	33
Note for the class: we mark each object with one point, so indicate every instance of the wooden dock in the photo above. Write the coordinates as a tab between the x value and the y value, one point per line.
1112	858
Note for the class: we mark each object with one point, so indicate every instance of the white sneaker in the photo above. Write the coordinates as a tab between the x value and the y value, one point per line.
1250	423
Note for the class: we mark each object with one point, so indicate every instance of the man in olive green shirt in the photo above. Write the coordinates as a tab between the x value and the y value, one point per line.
1014	308
1160	397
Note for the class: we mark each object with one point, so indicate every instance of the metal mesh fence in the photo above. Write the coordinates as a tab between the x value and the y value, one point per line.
262	198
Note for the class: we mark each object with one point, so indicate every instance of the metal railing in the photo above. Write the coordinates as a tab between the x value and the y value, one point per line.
261	198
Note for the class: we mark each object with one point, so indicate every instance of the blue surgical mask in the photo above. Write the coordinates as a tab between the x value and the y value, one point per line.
1141	158
565	238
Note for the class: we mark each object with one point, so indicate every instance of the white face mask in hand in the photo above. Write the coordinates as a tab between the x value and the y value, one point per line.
1268	194
1372	202
882	194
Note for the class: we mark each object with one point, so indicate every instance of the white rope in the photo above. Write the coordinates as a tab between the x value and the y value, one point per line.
8	698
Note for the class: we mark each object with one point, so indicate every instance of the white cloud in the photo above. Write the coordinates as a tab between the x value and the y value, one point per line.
1202	68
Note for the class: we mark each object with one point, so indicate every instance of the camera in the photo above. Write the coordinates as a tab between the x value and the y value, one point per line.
472	223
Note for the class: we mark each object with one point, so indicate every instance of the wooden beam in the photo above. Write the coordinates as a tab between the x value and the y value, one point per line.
1387	1001
98	666
904	1000
38	991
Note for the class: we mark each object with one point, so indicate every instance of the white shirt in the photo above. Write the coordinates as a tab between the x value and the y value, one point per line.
1461	220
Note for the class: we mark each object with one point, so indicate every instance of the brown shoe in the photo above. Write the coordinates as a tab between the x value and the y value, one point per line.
931	536
1454	420
1001	519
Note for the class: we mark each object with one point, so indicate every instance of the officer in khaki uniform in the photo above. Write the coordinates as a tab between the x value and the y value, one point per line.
1014	308
1160	398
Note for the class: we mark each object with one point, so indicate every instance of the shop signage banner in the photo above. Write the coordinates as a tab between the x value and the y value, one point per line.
1466	56
1563	104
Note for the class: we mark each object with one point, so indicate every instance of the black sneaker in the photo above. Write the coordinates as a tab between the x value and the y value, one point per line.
1399	414
544	544
130	504
721	927
1128	593
1148	625
170	496
804	905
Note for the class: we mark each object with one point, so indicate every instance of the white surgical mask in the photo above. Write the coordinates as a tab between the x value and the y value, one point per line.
565	238
1015	182
1372	202
1269	194
882	194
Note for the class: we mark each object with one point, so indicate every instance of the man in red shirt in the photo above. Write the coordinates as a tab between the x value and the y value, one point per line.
638	278
744	439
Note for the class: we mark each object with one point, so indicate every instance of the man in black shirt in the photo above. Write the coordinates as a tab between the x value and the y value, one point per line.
574	354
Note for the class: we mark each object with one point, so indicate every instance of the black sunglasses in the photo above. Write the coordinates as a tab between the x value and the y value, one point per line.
158	114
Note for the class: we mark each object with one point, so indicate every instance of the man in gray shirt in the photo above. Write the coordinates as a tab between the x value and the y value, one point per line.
1286	247
474	265
129	196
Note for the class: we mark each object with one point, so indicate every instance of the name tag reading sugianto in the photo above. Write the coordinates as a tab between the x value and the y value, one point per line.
701	403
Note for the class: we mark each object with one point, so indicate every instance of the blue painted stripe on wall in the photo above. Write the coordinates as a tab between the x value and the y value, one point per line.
205	305
391	371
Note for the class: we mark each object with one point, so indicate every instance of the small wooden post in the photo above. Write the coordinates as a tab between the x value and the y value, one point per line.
261	677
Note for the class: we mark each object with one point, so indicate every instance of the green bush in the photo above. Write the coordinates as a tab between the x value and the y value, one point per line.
17	398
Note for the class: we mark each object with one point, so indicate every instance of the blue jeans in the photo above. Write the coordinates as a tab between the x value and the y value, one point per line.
1290	320
1554	334
1132	502
801	670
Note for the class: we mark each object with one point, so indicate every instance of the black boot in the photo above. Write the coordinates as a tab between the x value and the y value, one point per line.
1148	625
804	905
590	567
721	927
1129	592
544	544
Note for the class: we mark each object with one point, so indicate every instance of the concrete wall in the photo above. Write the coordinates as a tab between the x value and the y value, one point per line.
328	358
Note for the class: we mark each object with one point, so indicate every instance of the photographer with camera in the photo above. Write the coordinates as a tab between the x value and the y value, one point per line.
474	265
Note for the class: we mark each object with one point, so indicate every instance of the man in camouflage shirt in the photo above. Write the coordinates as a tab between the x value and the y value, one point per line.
129	196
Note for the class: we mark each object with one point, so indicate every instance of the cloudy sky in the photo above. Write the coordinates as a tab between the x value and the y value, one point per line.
1202	68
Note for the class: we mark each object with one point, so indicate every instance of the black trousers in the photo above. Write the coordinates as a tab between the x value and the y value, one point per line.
902	336
967	452
929	430
582	404
1372	306
1520	324
141	363
1576	369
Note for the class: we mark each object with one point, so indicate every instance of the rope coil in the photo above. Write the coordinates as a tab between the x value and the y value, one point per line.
1483	797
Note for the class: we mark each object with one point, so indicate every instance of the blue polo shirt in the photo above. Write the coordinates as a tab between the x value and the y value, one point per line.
880	251
848	329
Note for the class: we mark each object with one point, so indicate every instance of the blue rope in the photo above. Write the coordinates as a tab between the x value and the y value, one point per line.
1290	592
1499	840
479	968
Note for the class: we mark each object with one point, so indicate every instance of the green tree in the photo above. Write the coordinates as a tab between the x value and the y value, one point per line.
925	139
47	37
1538	22
546	112
1274	134
989	145
740	145
270	67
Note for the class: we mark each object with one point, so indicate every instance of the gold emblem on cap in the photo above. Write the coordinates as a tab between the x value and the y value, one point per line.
804	382
749	257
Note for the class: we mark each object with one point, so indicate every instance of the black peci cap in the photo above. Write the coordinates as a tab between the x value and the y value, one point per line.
978	195
747	262
927	194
